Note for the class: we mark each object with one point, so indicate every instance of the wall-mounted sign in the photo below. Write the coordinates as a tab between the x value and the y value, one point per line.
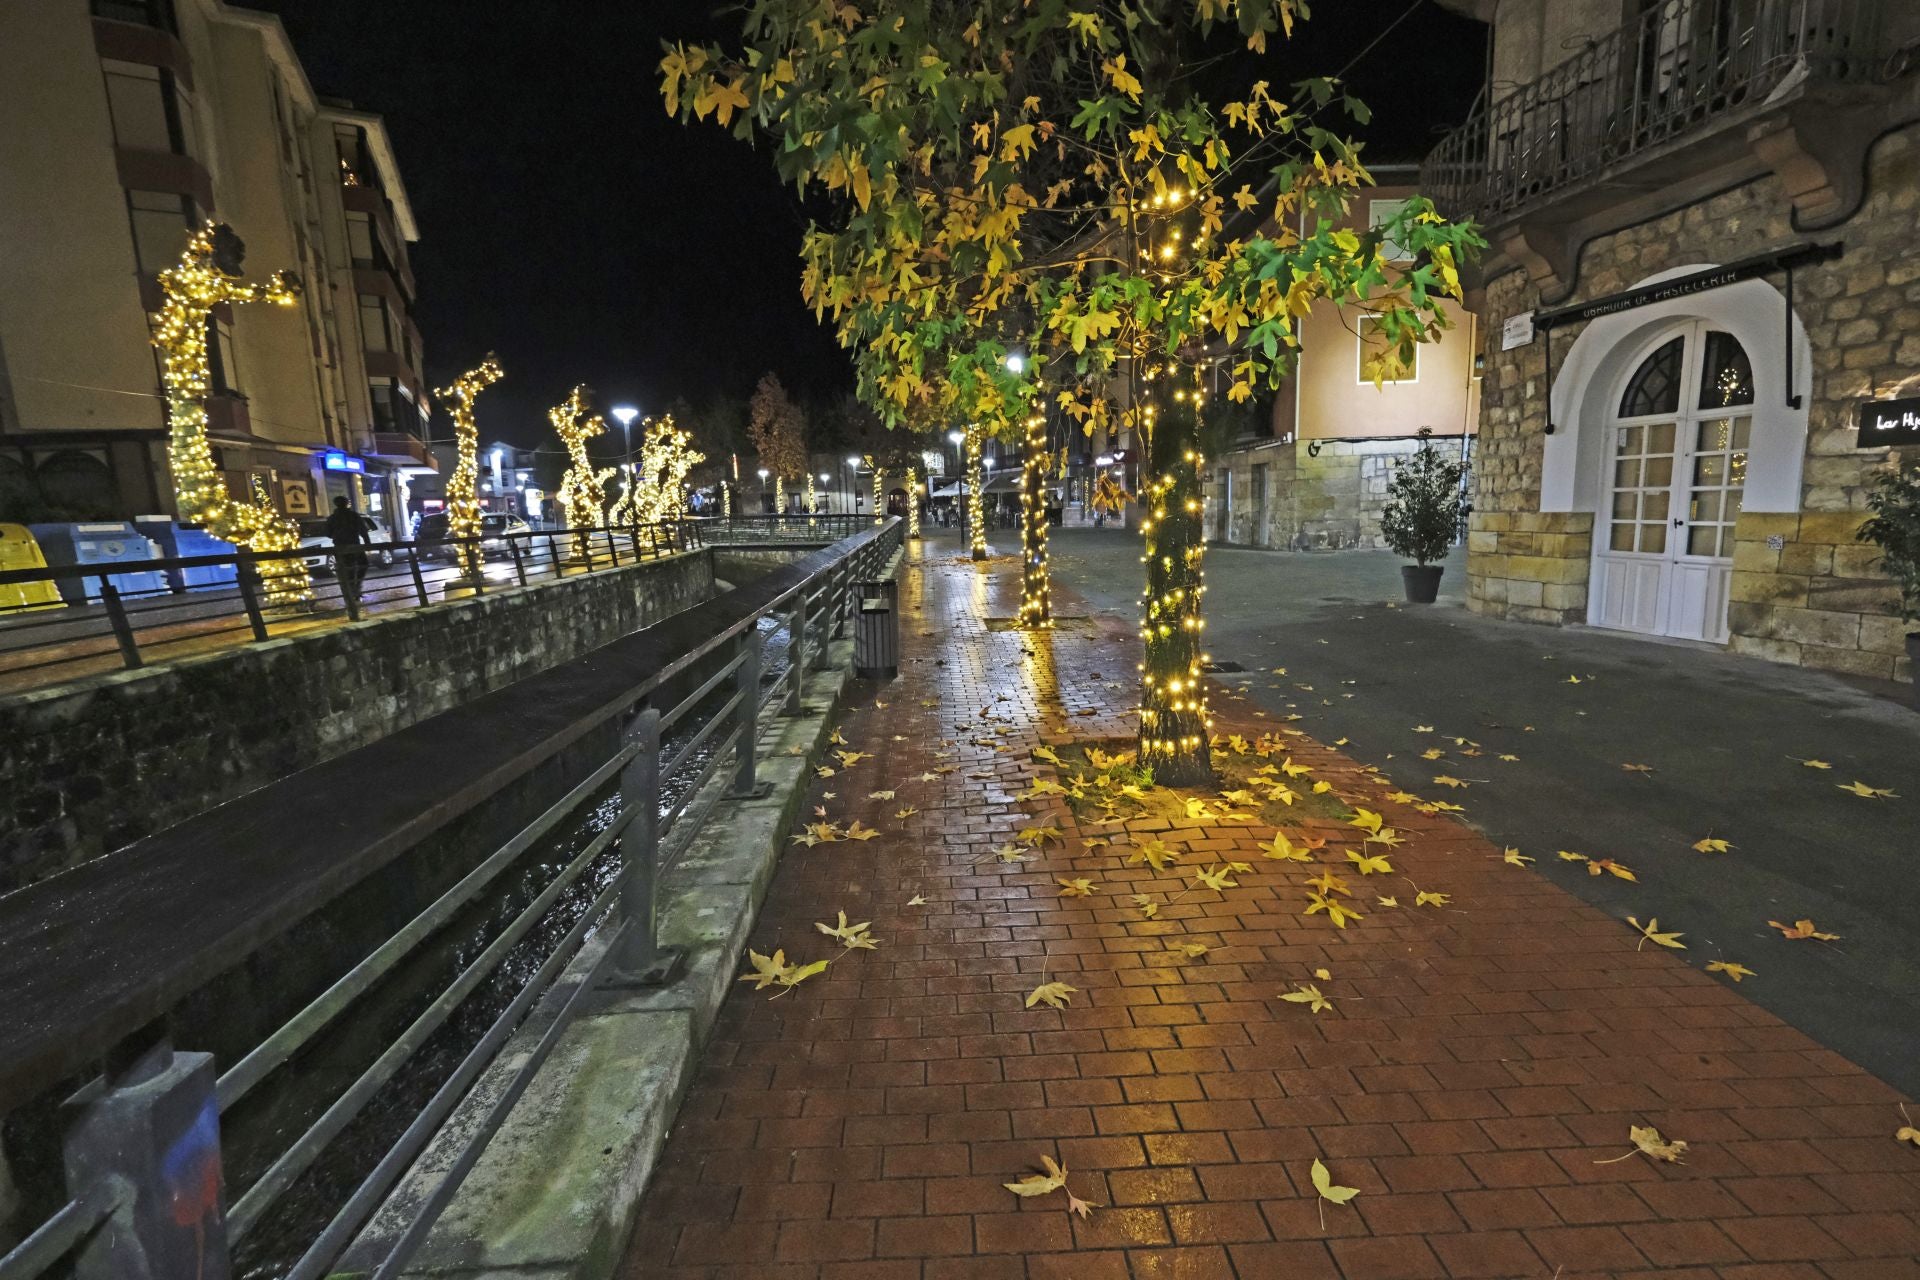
334	460
1683	286
296	497
1517	331
1889	422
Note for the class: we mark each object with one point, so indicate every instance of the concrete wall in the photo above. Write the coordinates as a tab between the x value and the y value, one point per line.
90	766
1803	590
1326	503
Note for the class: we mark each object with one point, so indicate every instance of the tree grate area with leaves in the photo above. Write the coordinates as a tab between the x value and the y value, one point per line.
1041	200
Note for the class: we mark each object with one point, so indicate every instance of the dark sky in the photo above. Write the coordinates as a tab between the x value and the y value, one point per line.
570	225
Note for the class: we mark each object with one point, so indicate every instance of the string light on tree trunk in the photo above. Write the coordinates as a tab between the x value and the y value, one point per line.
583	492
463	487
976	478
1174	721
913	502
879	491
811	497
1036	607
207	276
658	490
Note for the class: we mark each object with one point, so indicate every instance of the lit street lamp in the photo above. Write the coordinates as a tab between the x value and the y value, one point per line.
853	475
826	477
624	414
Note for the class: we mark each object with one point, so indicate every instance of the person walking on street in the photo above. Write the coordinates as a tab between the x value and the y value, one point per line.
349	531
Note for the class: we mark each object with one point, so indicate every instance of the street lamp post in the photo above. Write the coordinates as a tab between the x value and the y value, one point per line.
826	477
763	486
624	414
853	478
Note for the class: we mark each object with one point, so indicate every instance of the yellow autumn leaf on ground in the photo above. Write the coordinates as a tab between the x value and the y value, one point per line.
1194	950
1612	868
1010	853
1153	852
1432	753
1284	850
1055	995
1034	837
1650	932
1036	1184
1048	754
1812	764
806	838
1308	994
1327	882
1803	929
1079	887
848	759
1573	680
1638	768
1711	845
1148	907
1404	797
1321	788
1569	856
1647	1141
916	901
1325	975
1510	759
1423	728
1427	899
857	832
775	971
1387	902
1375	865
836	739
1337	912
1214	878
1365	819
1516	858
1861	789
1906	1132
1386	836
1292	770
904	814
1323	1183
1448	780
1730	968
1443	806
823	771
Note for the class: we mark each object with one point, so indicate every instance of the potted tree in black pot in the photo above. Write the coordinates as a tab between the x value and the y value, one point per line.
1422	517
1895	529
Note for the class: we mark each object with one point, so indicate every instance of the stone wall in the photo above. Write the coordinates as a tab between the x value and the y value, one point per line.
90	766
1803	591
1329	502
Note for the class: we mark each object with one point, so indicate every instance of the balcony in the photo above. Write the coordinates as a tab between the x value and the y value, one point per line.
1686	70
402	447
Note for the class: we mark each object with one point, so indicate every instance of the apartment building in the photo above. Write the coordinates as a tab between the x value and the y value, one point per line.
129	124
1313	475
1702	302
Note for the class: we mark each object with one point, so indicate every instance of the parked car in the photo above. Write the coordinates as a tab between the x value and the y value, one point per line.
313	536
435	535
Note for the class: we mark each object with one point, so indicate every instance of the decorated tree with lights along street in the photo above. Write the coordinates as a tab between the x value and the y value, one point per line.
1053	157
583	493
207	275
463	487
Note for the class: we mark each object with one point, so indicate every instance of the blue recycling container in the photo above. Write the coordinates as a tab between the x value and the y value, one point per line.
181	541
112	545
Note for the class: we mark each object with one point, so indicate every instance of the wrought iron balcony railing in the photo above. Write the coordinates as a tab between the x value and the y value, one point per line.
1678	68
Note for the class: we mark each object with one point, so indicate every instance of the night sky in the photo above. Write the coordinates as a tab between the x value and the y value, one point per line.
570	225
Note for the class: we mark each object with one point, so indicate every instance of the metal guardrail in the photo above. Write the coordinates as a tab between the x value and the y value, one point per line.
122	628
1680	65
142	1152
821	526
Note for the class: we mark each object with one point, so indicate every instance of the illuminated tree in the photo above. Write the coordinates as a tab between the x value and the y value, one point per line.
1036	602
778	429
1050	167
913	502
657	491
582	489
976	481
207	275
463	488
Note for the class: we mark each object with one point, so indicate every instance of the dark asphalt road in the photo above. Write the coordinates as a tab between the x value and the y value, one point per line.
1723	736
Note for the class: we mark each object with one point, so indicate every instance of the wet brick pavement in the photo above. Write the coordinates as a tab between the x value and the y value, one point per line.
1480	1059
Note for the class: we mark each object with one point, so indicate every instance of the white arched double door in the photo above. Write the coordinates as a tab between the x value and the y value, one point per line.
1676	458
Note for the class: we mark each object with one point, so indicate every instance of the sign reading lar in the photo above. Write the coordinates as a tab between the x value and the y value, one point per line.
1889	422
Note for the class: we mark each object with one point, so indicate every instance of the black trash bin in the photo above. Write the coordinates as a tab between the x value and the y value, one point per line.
876	630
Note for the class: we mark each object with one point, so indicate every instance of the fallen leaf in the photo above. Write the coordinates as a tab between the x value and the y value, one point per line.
823	771
1377	864
1084	1208
1321	788
848	759
1567	856
916	901
1048	754
1080	887
857	832
1812	764
1612	868
1308	994
1906	1132
1284	850
1731	969
1649	932
1037	1184
1448	780
904	814
1055	995
1194	950
851	936
1387	902
1432	753
1148	907
1638	768
1337	912
1423	728
1509	759
1010	853
775	971
1325	975
1153	852
1327	882
1711	845
1323	1183
1647	1141
1426	899
1034	837
1866	792
1803	929
1214	878
1517	858
1365	819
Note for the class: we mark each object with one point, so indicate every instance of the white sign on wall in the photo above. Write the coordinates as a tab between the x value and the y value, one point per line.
1517	331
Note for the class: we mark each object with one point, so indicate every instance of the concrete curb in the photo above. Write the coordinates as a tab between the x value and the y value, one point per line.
556	1193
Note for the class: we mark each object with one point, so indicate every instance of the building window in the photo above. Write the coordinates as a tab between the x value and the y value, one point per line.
161	222
376	334
1655	385
1377	355
1379	214
225	372
387	401
148	13
149	111
360	239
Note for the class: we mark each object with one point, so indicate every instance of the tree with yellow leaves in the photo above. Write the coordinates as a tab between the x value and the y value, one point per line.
1042	169
778	429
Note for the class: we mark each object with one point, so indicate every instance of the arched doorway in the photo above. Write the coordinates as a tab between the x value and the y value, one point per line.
1676	445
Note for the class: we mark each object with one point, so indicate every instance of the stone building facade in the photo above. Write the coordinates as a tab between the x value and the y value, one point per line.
1688	463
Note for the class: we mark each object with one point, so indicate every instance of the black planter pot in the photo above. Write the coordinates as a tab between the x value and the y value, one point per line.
1422	582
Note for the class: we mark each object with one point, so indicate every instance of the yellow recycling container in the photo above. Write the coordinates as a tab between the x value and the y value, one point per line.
18	550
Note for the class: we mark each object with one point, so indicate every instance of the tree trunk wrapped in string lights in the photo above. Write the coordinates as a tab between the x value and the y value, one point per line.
976	483
1036	606
913	502
779	495
659	489
207	275
583	492
1173	713
463	488
879	490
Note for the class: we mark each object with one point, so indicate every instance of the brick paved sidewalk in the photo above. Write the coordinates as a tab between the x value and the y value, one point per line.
1479	1059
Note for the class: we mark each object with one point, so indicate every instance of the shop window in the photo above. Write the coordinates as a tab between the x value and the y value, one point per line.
1655	385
